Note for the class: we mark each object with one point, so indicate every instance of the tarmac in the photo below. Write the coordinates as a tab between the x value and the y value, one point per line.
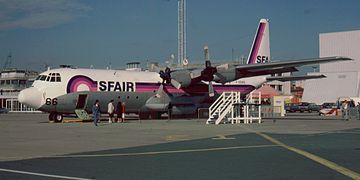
301	146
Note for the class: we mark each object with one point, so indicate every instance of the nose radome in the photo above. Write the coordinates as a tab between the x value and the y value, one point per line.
30	97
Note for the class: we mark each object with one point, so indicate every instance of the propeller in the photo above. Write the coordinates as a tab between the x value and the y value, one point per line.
166	77
208	73
183	78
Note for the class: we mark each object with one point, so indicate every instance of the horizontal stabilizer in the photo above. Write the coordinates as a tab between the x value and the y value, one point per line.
287	64
258	69
294	78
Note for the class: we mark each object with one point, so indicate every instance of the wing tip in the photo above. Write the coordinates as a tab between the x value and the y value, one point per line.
343	58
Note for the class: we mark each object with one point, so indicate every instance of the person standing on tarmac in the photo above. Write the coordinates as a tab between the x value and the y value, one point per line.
123	112
96	112
345	107
358	109
111	111
119	110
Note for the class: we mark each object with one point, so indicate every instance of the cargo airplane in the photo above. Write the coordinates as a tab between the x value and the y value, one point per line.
63	91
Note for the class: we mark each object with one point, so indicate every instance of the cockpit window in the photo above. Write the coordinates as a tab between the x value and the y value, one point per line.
52	77
42	78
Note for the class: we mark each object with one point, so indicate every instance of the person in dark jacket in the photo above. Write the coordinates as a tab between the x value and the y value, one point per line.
119	110
96	112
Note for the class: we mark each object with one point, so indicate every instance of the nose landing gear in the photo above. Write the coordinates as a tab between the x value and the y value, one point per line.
56	117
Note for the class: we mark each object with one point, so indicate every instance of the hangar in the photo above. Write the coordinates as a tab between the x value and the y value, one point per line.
343	78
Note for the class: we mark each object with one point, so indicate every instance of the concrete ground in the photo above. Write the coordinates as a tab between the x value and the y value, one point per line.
302	146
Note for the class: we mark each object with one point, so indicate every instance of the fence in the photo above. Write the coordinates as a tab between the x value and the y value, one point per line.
270	111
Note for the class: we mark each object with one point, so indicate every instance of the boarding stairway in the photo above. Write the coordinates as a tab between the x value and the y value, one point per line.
229	108
82	114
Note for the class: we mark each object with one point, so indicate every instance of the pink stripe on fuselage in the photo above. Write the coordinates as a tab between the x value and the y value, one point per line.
257	44
199	88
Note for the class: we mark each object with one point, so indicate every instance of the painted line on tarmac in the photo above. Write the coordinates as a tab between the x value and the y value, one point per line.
340	169
222	137
167	152
41	174
176	138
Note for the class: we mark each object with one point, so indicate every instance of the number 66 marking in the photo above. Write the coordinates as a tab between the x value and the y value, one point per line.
50	101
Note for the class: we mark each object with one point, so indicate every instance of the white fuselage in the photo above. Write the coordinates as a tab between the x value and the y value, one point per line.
58	82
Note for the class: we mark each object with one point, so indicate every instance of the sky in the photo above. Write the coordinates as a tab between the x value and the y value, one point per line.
105	33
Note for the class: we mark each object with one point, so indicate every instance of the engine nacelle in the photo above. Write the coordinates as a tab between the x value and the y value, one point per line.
157	104
183	77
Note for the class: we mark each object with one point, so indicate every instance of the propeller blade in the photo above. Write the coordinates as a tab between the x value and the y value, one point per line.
206	53
176	84
160	91
211	89
207	63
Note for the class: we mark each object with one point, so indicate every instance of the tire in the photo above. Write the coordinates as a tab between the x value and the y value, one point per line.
58	117
52	116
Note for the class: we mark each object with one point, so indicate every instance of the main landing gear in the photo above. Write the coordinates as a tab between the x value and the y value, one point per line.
56	117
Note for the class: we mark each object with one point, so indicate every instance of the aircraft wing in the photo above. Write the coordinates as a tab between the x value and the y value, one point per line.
281	67
294	78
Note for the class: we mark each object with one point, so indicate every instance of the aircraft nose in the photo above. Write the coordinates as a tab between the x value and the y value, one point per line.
30	97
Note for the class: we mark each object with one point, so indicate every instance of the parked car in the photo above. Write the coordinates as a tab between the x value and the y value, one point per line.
3	110
328	105
309	107
291	107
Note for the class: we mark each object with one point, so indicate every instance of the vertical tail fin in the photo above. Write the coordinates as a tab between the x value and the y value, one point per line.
260	49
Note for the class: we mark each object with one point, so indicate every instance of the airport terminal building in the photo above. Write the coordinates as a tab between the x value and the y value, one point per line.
12	81
343	78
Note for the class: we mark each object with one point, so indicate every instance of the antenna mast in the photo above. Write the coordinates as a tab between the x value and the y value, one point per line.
8	62
181	31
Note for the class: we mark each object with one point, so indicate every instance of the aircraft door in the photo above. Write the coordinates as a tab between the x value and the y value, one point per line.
81	101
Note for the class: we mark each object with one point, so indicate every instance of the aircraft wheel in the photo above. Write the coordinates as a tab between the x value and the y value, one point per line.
51	116
58	117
